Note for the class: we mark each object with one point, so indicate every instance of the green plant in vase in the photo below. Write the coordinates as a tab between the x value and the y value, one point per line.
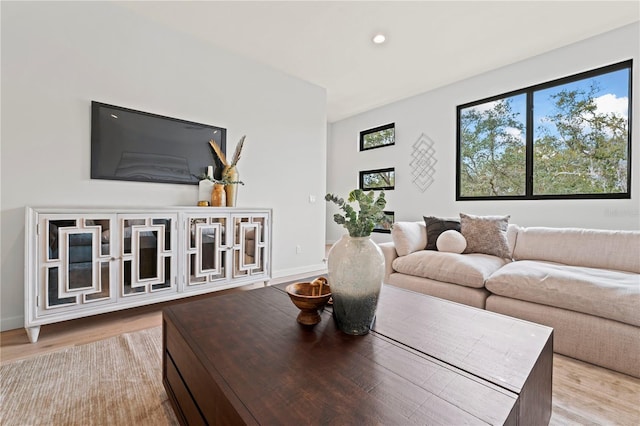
220	181
355	263
371	212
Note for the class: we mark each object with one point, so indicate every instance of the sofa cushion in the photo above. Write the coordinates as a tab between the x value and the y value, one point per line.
604	293
408	237
436	226
451	241
512	236
475	297
485	234
470	270
593	248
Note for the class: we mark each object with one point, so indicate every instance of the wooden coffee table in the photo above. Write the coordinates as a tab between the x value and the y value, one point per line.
243	359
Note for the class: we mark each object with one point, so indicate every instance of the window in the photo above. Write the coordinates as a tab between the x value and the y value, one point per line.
568	138
378	137
384	226
378	179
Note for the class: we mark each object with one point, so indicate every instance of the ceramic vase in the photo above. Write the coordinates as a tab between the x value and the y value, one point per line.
356	271
218	196
205	187
230	173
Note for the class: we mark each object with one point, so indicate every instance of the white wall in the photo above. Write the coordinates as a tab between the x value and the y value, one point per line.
58	56
434	114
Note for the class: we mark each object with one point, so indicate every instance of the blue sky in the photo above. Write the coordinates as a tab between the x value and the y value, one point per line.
615	83
612	96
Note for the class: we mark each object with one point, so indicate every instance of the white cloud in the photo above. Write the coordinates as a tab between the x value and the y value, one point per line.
609	103
517	133
487	106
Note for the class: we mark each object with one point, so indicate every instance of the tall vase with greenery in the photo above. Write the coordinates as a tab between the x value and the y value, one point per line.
230	176
356	263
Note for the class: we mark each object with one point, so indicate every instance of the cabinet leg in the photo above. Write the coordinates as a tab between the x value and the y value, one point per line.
33	333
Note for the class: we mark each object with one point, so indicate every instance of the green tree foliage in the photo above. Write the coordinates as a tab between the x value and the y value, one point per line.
577	149
492	151
581	151
379	180
380	138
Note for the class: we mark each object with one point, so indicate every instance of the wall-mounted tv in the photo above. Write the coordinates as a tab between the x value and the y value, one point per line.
140	146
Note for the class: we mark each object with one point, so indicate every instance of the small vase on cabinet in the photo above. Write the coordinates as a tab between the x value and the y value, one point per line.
206	186
218	196
230	174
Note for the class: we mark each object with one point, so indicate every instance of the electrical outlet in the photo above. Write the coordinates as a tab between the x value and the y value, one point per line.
298	249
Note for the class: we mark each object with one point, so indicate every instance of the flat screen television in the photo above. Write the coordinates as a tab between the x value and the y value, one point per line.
140	146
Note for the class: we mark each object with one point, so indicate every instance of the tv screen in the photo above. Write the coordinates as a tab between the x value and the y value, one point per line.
139	146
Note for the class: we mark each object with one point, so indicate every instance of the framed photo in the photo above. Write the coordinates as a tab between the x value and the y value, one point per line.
378	137
385	226
378	179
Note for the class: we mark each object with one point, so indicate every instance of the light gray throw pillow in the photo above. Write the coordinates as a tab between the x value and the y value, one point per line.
485	234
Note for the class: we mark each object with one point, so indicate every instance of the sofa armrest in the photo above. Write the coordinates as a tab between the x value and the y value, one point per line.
390	253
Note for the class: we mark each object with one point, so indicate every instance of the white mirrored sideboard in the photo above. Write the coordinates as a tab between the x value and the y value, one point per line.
88	261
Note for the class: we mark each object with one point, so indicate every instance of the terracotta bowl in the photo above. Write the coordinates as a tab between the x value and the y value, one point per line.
309	297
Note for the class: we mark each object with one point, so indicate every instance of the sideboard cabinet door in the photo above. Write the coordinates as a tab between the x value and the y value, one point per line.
250	244
205	253
75	263
148	254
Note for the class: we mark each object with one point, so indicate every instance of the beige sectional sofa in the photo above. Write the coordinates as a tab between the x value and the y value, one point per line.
584	283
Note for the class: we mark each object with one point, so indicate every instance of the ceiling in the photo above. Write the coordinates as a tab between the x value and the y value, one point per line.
429	43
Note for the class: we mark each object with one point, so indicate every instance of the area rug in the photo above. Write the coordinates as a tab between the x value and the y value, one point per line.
116	381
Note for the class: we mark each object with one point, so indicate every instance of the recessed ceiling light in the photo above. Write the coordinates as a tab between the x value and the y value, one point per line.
379	38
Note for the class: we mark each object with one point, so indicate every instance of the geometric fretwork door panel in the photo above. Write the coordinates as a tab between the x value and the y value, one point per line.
249	245
206	250
76	262
147	254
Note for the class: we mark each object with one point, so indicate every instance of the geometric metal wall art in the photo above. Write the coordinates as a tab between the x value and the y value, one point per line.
423	162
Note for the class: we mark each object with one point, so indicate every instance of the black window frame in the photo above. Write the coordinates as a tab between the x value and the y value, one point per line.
362	173
392	220
529	142
375	130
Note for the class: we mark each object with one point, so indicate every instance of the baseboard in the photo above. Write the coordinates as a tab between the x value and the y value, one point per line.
284	275
11	323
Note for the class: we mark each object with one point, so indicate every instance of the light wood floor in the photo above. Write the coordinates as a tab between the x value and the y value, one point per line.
583	394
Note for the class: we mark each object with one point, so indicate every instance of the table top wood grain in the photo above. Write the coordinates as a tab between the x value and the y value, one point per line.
426	360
